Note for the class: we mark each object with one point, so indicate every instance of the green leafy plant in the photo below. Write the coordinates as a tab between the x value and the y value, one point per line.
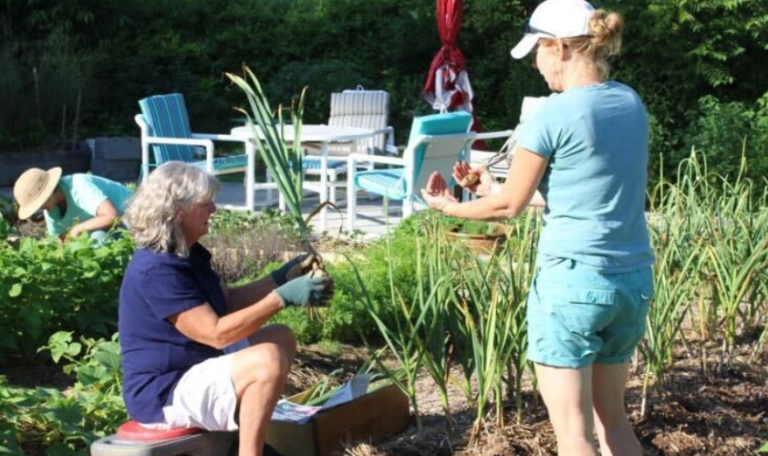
66	423
46	287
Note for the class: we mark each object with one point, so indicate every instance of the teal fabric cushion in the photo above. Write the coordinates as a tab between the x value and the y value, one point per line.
393	182
386	182
167	117
315	164
440	124
436	124
225	163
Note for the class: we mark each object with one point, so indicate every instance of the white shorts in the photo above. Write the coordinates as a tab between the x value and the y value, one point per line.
204	398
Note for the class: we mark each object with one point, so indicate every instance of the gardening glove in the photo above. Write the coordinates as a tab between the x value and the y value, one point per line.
296	267
305	291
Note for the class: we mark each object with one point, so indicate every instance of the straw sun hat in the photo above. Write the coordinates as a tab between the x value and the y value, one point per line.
33	188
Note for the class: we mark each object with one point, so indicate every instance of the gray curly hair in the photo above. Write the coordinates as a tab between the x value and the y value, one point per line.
152	215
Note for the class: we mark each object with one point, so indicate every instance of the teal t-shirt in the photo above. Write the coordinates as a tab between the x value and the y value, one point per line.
84	194
596	140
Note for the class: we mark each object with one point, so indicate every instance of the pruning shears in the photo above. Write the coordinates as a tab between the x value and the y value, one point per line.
471	179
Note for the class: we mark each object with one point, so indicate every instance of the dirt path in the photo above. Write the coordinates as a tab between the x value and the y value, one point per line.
718	414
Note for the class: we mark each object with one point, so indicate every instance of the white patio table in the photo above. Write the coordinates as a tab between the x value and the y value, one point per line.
323	134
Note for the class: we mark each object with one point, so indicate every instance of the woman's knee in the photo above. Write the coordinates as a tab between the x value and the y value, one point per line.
263	363
286	338
276	334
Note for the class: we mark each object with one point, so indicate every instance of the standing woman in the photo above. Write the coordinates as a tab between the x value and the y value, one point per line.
586	150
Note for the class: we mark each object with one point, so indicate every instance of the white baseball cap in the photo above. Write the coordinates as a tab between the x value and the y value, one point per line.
554	19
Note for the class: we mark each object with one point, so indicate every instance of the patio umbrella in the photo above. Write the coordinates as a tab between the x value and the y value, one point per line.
447	87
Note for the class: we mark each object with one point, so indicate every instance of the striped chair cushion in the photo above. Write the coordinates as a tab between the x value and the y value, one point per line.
167	117
222	164
361	109
315	164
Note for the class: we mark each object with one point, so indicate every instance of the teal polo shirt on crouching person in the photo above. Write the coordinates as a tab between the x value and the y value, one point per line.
596	140
84	194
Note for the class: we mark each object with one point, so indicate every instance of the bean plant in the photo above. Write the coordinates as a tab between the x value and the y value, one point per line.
65	423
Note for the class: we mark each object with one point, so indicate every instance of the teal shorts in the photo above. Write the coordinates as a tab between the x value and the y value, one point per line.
578	315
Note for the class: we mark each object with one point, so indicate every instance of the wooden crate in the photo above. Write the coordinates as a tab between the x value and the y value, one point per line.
370	417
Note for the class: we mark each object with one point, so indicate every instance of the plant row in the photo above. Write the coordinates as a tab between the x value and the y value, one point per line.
464	322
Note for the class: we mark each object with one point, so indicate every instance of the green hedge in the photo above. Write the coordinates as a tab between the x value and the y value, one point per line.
104	55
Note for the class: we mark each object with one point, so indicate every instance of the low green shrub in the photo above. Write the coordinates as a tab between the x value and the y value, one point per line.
65	423
46	287
346	319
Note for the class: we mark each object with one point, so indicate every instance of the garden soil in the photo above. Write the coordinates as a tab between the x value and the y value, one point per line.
717	413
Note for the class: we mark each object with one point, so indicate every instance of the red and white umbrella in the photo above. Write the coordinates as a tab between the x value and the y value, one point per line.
447	87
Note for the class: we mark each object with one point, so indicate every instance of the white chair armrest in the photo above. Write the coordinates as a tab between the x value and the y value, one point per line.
354	158
207	143
392	149
215	137
389	146
494	135
181	141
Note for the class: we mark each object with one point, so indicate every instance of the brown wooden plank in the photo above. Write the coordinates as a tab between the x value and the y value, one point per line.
370	417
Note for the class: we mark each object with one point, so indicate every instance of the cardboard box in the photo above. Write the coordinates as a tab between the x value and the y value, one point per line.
372	416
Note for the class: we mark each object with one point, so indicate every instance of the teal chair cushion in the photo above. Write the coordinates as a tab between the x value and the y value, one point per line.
436	124
393	182
315	164
385	182
167	117
223	164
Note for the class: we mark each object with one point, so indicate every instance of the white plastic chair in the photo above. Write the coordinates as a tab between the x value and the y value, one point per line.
359	108
482	157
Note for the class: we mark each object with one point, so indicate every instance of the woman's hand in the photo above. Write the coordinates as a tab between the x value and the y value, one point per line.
476	180
297	267
305	291
436	194
74	232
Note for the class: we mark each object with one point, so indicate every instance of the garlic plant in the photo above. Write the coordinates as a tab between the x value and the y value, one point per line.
283	162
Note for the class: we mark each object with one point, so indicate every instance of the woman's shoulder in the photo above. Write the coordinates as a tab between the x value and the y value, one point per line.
146	261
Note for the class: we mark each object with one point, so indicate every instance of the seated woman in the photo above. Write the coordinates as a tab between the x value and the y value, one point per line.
71	204
178	323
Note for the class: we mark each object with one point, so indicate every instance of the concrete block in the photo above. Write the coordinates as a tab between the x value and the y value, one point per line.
116	158
72	160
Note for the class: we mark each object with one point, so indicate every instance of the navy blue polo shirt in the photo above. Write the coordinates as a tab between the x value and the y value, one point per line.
155	354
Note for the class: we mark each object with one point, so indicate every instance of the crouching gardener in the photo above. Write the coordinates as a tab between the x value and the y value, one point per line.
180	328
75	204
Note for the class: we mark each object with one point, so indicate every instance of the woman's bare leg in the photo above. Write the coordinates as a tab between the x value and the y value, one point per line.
259	373
617	438
567	394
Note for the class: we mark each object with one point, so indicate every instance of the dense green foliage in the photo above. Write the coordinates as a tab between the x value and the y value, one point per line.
77	67
346	319
45	287
55	423
436	300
